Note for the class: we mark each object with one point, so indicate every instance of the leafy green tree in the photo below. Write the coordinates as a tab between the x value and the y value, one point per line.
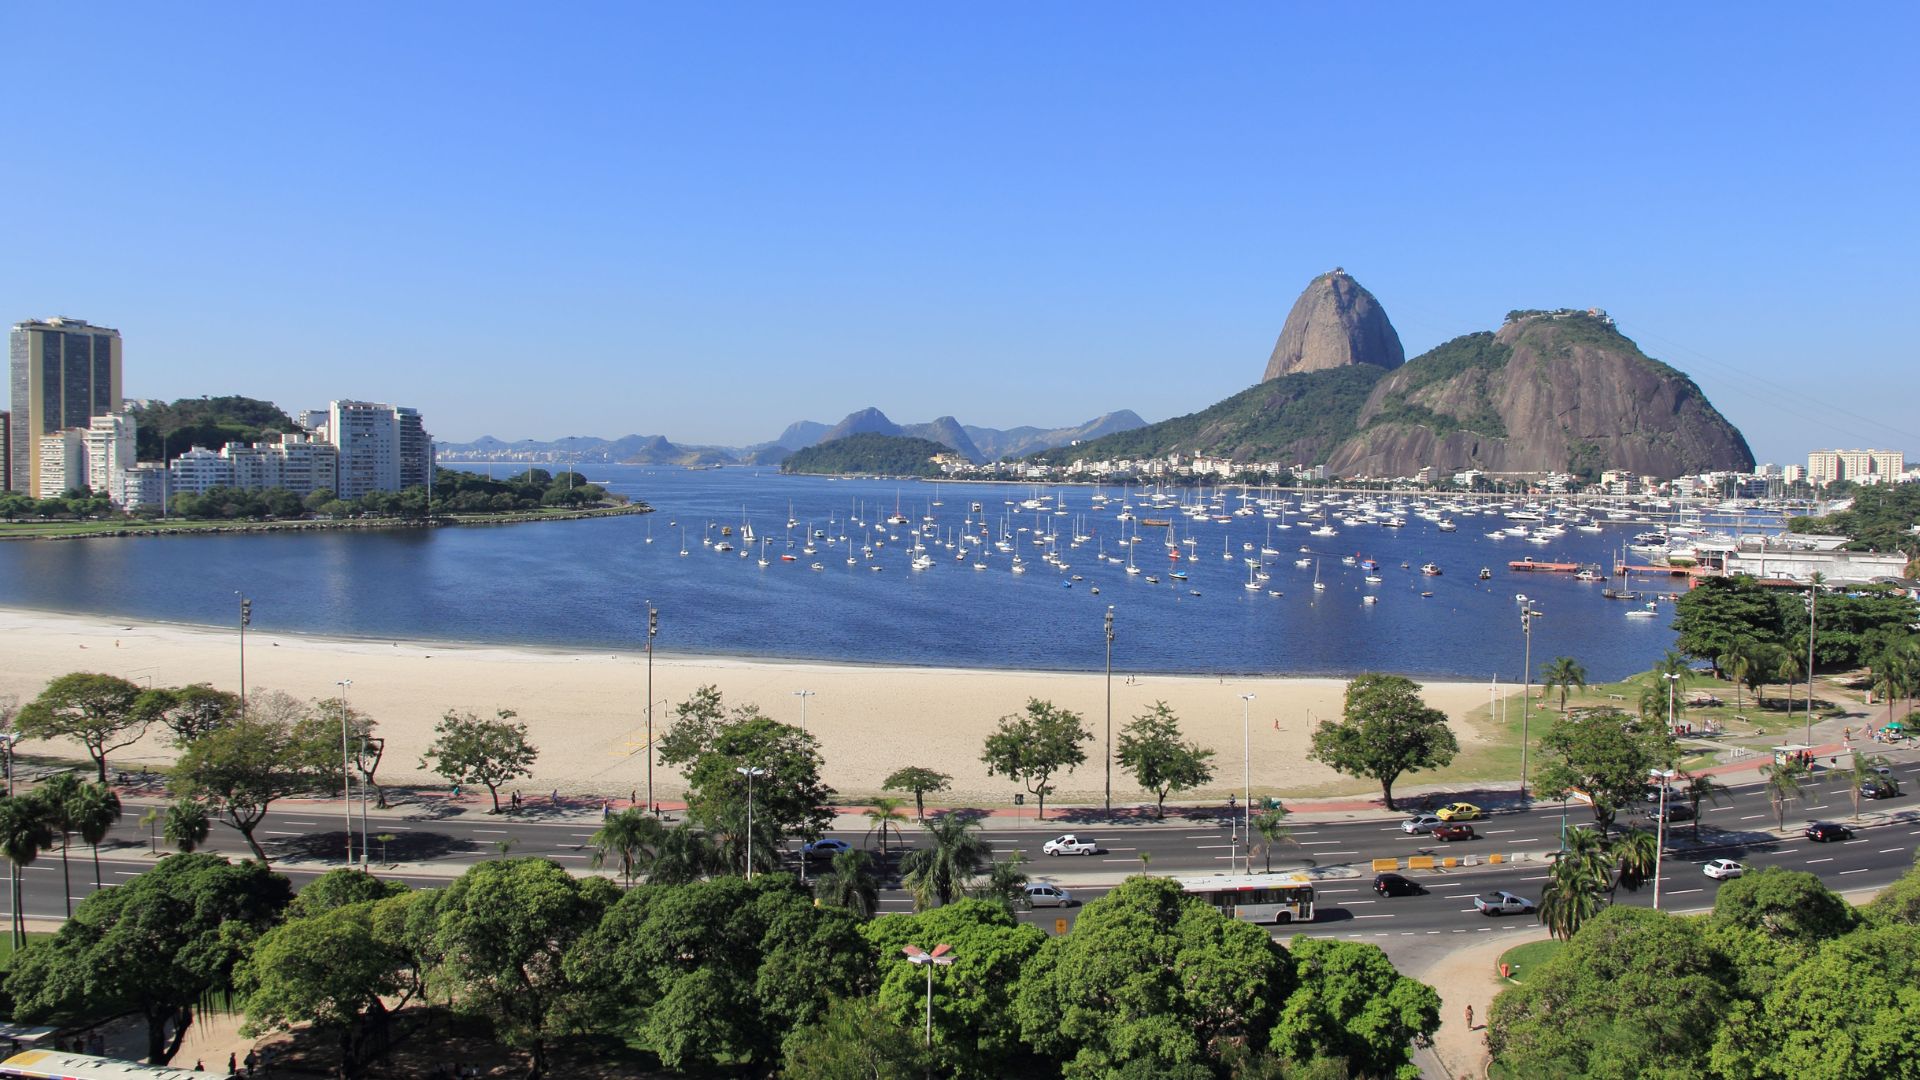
788	799
187	824
360	728
503	929
330	969
94	811
1898	902
159	945
686	854
940	872
632	834
1151	748
849	883
1783	904
1272	827
97	711
1151	978
242	769
469	750
1005	884
1716	613
1385	731
712	973
976	1031
1352	1006
1849	1011
189	711
1635	993
919	781
24	835
855	1037
1606	754
1029	749
1562	673
1784	781
886	817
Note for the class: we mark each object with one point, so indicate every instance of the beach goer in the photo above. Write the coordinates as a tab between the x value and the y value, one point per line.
1469	1018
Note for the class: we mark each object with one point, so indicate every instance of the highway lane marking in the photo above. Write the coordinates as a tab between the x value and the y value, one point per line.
1810	862
1542	877
1337	892
1352	902
1499	832
1119	849
1119	860
1461	896
1751	817
290	821
276	832
1683	892
1821	806
1215	847
1528	840
1862	870
1317	843
1887	850
1845	843
1387	916
504	832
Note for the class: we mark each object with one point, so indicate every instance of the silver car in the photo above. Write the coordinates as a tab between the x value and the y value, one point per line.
1040	894
1420	823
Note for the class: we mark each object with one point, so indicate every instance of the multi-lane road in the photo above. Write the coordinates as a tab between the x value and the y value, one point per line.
428	847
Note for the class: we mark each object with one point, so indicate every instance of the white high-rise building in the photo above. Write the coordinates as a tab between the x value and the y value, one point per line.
110	452
198	471
62	461
295	463
382	447
142	486
1859	466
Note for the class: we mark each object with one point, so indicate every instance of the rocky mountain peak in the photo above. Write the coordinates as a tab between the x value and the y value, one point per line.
1334	323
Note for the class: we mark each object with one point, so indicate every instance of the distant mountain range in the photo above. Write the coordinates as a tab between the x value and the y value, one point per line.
977	444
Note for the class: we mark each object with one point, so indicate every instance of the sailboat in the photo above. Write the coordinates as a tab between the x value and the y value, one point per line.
683	539
1132	569
1318	585
649	528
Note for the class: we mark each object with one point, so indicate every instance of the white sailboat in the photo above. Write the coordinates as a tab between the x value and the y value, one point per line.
1318	585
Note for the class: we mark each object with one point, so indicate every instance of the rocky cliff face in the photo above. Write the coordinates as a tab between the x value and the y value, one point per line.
1334	323
1550	392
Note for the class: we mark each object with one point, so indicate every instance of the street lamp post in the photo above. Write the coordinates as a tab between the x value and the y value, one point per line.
653	627
1660	831
246	620
750	771
803	695
1812	603
371	750
1109	796
1246	777
1672	679
346	764
942	956
1526	695
6	747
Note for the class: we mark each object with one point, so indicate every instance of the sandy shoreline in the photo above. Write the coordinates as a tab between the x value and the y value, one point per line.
587	710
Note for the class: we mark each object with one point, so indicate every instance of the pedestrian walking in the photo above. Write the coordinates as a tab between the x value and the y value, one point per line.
1469	1018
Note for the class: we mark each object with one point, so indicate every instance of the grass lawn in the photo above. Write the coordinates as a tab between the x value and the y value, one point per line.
6	946
1524	960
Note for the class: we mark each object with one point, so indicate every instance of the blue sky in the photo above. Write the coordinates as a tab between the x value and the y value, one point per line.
707	221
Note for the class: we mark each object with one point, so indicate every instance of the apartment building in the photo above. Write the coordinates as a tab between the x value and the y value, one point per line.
62	373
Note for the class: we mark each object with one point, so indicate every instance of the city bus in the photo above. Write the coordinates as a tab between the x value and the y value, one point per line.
1256	898
60	1065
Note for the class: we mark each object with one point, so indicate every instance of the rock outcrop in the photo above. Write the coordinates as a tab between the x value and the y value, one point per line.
1334	323
1559	391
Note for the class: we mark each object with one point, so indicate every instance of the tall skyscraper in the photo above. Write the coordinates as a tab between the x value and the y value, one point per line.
63	373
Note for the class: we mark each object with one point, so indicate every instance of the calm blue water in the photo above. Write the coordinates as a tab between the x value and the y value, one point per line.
587	584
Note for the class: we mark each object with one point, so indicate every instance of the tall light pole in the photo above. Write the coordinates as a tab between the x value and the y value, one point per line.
750	772
346	764
942	956
1673	678
1109	798
246	620
803	695
1660	832
1246	777
1813	598
1526	695
653	627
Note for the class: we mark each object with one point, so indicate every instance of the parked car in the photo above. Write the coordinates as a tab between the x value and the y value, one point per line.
1674	812
1723	869
1419	823
1040	894
1879	788
824	848
1824	831
1069	844
1460	811
1396	885
1502	902
1451	831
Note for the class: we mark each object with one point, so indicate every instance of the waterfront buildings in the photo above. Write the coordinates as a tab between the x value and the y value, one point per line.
1859	466
59	463
62	373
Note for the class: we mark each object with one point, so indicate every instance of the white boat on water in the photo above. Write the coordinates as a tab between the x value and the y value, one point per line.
1652	609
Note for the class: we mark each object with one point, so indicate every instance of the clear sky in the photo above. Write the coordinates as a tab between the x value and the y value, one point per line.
707	221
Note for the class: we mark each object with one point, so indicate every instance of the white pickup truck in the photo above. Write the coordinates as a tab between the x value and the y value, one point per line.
1070	844
1502	903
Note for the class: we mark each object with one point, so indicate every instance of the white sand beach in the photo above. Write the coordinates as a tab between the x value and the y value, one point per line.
587	711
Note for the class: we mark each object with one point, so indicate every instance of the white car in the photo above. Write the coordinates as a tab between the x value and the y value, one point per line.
1040	894
1722	869
1069	844
1501	902
1420	823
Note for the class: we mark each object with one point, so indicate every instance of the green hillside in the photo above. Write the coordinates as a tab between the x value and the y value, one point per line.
869	452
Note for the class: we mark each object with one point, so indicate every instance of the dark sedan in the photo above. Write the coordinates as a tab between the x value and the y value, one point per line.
1395	885
1453	832
1824	831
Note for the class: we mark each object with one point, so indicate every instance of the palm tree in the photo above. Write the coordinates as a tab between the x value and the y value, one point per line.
1636	854
849	883
187	824
633	834
24	834
58	793
1562	673
885	814
96	809
1701	788
1861	770
1736	664
1005	883
685	854
1789	671
1783	786
1573	894
1272	827
939	873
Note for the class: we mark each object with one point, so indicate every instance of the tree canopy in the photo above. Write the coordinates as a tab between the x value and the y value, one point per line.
1385	731
1029	748
1151	749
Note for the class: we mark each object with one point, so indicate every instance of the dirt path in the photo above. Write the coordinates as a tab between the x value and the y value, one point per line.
1466	977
